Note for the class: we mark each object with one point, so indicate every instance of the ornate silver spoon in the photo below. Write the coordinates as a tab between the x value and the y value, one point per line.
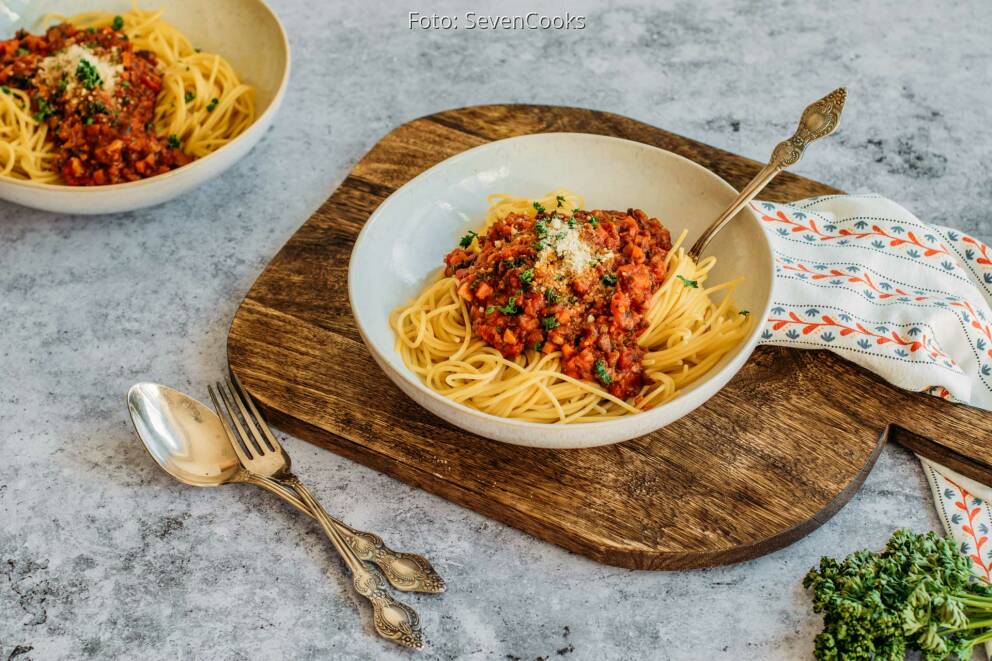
819	119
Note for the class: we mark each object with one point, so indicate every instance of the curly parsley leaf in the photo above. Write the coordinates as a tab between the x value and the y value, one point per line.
510	307
87	75
550	322
45	109
602	373
467	239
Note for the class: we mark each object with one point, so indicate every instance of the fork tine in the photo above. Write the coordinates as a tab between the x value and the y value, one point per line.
259	420
250	447
238	447
250	422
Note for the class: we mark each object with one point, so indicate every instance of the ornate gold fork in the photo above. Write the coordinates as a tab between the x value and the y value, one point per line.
819	119
262	455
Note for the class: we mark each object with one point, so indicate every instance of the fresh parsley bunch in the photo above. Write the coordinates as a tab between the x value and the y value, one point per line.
917	594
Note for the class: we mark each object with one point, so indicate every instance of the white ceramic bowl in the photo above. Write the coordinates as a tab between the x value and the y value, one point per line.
245	32
404	242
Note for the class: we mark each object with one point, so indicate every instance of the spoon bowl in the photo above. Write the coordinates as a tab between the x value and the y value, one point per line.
185	437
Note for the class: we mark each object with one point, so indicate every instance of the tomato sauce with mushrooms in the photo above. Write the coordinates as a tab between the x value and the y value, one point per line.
579	283
97	96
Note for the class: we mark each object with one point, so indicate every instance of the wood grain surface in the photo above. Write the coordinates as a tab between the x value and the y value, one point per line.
772	456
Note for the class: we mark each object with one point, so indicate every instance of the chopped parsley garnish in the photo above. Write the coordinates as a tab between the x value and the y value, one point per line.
538	246
91	30
527	276
609	280
571	222
510	307
118	23
89	120
576	210
538	346
601	373
466	240
490	309
561	200
189	96
513	263
5	89
550	322
550	295
173	142
87	74
744	313
45	109
541	229
97	107
21	52
688	283
593	221
213	104
539	207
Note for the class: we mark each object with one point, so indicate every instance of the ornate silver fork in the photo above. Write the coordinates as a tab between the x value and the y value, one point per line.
262	455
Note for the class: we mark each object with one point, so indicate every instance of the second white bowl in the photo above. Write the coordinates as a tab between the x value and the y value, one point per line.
245	32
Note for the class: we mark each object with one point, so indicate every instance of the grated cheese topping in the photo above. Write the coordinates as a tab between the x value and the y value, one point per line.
64	64
567	244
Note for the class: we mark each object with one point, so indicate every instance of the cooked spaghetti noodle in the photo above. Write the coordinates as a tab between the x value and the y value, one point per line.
71	100
684	331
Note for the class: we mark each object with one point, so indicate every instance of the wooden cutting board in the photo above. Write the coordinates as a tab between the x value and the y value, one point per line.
776	453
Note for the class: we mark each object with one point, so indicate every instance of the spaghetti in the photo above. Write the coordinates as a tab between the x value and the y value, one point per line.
103	98
624	319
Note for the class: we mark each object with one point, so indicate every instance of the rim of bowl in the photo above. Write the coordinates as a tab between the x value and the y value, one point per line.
93	190
749	343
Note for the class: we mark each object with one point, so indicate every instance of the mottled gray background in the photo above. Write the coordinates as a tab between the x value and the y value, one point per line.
103	556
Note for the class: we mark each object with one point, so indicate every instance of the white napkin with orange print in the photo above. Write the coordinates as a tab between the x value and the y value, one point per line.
861	276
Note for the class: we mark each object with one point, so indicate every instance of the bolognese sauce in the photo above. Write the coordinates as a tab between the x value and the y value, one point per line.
577	282
97	96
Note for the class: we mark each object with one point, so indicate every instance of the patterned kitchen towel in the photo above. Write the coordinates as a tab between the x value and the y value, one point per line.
861	276
963	506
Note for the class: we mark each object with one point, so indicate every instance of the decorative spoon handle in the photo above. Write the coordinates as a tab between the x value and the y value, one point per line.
393	620
404	571
818	120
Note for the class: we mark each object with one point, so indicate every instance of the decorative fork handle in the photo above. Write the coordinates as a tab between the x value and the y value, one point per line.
408	572
819	119
393	620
